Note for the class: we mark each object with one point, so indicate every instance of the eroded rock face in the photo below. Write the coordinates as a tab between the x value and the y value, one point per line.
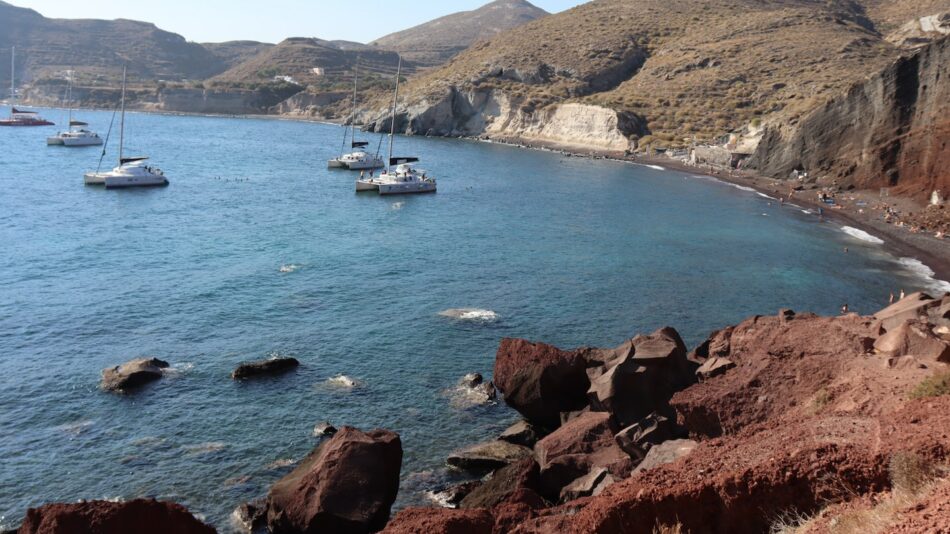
441	521
144	516
540	380
522	475
132	374
639	377
269	367
347	484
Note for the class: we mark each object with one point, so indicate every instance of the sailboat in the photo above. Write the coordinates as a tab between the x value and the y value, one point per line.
77	135
359	159
19	117
132	171
404	179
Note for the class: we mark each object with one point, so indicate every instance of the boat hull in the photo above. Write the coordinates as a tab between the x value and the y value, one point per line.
336	164
406	188
365	165
366	185
54	141
82	141
19	123
126	182
94	178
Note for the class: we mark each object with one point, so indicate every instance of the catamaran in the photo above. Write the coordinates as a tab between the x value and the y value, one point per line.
132	171
359	159
19	117
404	179
77	135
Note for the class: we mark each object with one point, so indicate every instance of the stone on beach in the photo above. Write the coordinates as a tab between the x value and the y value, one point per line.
347	484
521	433
913	339
714	366
637	439
132	374
267	367
142	516
666	453
911	307
487	456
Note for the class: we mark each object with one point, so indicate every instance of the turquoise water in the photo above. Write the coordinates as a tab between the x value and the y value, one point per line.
256	249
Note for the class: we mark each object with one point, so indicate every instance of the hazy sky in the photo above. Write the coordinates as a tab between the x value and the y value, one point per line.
271	20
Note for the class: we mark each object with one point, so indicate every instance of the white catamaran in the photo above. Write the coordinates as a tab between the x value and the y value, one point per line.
404	179
131	172
359	159
77	135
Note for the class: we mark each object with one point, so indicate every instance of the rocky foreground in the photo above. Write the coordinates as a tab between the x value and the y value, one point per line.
784	423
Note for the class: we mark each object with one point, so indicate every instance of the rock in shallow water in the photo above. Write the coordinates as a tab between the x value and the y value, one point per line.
488	456
142	516
269	367
132	374
347	484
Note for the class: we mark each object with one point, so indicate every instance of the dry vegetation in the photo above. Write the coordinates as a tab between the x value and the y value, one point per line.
710	67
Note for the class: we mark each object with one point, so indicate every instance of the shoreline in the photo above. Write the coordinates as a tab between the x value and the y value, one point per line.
934	253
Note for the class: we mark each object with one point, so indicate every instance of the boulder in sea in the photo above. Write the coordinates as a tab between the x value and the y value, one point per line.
521	433
347	484
323	429
272	366
452	496
142	516
487	456
132	374
251	517
472	380
540	380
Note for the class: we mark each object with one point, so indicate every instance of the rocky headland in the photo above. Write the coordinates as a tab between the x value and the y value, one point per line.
785	423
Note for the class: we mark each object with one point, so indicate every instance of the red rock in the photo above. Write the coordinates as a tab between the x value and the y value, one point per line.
487	456
714	366
913	339
441	521
641	379
503	484
541	381
142	516
910	307
347	484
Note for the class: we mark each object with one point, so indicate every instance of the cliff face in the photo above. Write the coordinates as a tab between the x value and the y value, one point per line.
892	130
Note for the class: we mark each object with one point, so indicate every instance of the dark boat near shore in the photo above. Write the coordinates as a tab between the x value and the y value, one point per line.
24	118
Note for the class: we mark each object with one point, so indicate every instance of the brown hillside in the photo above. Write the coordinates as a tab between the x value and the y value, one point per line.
435	42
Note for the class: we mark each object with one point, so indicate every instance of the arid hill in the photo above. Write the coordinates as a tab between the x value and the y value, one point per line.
435	42
98	48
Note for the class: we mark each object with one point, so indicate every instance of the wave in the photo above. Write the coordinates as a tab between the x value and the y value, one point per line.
919	269
205	448
289	268
862	235
397	205
343	381
765	196
178	369
76	428
280	464
470	314
654	167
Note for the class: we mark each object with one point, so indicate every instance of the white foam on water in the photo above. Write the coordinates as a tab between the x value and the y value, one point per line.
470	314
655	167
439	498
342	381
397	205
807	212
765	196
289	268
862	235
280	464
76	428
919	269
178	369
205	448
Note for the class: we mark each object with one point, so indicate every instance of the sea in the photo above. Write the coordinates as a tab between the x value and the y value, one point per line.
256	250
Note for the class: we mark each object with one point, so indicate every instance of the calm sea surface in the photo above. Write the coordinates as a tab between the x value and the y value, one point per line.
257	249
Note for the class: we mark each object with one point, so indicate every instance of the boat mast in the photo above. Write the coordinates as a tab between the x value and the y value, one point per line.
122	121
356	78
12	82
69	99
392	126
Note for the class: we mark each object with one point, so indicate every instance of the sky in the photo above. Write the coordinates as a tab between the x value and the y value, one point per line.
271	20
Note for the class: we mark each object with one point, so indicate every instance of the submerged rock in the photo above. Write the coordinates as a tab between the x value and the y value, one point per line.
324	429
251	517
132	374
268	367
347	484
142	516
452	496
488	456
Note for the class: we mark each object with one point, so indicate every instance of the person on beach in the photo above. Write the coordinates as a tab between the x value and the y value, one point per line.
902	294
891	299
844	309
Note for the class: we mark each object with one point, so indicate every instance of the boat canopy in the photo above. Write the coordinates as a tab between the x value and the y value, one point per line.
78	123
401	160
360	144
134	159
